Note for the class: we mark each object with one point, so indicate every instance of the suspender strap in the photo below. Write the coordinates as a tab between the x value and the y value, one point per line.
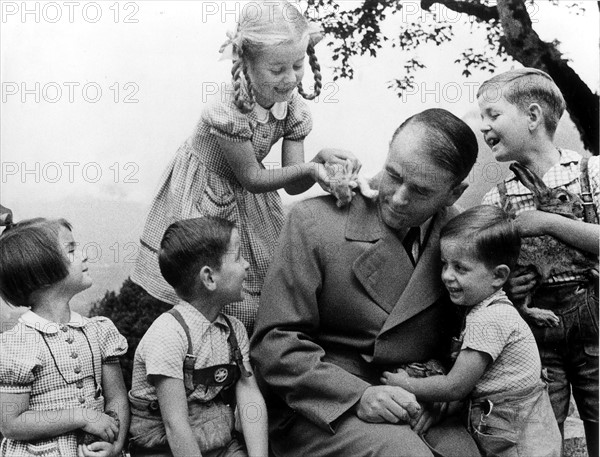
589	209
235	349
502	191
190	359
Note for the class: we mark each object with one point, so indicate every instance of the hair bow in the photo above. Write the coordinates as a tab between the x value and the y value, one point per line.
6	217
229	49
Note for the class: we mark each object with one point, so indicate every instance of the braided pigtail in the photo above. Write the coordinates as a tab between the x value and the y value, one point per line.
243	97
316	69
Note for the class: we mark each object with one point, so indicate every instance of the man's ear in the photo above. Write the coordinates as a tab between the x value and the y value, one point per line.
501	273
207	277
456	193
536	116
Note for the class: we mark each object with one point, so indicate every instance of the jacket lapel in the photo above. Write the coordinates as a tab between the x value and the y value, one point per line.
425	285
383	269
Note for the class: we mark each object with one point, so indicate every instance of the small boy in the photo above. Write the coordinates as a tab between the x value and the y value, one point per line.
498	366
191	355
520	111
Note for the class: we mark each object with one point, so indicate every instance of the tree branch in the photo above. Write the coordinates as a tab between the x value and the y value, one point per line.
472	8
524	45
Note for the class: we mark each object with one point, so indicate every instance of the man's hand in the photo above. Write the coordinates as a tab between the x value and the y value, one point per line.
388	404
431	414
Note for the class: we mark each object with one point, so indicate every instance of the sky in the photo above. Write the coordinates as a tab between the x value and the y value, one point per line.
98	96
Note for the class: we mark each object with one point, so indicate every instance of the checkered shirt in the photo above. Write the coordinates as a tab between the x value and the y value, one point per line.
200	182
564	174
162	350
54	365
495	327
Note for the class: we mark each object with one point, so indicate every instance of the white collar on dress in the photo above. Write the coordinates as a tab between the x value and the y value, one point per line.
279	111
41	324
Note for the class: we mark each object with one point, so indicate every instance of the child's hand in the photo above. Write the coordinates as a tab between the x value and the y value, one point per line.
332	155
97	449
322	177
533	223
399	378
103	426
521	282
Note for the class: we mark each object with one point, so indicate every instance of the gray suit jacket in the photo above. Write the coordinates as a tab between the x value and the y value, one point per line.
340	303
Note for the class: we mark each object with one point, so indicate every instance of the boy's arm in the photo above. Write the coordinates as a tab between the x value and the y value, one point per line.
253	415
18	422
578	234
115	396
456	385
174	411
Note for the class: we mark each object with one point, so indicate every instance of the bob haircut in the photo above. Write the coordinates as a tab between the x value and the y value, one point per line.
452	143
31	258
488	233
525	86
190	244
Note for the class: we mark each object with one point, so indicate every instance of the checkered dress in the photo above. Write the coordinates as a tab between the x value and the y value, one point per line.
564	174
495	327
199	182
53	363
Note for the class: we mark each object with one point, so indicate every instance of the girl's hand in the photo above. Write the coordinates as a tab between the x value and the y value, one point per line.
97	449
332	155
103	426
322	177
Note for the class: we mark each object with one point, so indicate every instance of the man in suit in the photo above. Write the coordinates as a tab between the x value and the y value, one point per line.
353	291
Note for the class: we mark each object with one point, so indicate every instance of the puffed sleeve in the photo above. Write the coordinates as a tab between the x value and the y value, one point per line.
19	358
298	122
112	344
226	121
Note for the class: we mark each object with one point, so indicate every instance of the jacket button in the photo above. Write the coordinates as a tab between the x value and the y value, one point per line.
77	369
74	355
81	400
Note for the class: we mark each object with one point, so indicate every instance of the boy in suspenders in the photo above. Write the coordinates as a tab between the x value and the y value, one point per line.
194	356
520	110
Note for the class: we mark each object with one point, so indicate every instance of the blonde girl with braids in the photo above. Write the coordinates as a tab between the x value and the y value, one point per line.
218	170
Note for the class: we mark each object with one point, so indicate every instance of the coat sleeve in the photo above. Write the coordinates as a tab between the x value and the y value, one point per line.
285	346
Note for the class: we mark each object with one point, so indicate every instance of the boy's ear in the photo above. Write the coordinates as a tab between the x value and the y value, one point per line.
207	277
501	273
536	116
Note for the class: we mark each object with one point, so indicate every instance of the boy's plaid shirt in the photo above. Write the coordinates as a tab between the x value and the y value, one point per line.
565	174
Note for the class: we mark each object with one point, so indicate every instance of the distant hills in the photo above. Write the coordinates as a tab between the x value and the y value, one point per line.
109	230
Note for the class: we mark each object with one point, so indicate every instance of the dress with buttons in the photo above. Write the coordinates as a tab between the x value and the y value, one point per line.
59	368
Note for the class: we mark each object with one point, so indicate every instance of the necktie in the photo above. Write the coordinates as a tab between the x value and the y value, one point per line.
411	243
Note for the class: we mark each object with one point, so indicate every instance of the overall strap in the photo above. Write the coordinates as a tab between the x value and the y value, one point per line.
502	192
235	349
589	209
190	358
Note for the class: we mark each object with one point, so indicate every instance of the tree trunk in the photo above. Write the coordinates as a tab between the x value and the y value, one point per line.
524	45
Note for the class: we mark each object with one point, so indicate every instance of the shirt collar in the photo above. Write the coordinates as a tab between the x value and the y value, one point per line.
278	110
190	309
41	324
567	160
496	296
